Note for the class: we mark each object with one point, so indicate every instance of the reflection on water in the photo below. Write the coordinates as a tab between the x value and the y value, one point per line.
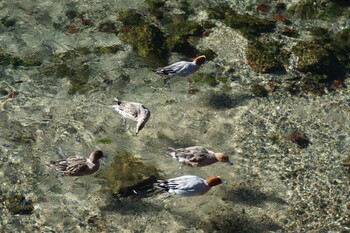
59	75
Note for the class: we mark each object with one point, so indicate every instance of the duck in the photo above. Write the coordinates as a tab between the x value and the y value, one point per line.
182	68
133	111
197	156
77	165
188	185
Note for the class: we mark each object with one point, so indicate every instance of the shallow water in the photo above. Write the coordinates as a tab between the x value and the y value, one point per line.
64	110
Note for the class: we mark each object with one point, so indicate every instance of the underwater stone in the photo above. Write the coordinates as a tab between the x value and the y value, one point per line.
341	47
309	9
317	57
250	26
18	204
126	170
146	39
263	57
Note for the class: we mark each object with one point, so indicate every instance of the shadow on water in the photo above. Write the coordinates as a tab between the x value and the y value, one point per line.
251	196
224	101
232	222
223	220
130	206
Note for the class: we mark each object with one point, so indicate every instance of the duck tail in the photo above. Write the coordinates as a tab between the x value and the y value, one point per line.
162	184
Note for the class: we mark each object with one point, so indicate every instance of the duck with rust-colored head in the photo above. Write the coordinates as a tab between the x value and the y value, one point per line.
77	165
197	156
182	68
188	185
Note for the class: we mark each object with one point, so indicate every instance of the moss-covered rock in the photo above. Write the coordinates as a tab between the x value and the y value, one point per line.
179	32
250	26
18	204
309	83
341	48
146	39
309	9
126	170
318	57
265	57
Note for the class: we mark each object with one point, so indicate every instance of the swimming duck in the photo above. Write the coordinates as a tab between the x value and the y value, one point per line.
197	156
188	185
182	68
77	165
133	111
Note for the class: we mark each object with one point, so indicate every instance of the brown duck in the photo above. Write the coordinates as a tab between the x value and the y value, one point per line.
77	165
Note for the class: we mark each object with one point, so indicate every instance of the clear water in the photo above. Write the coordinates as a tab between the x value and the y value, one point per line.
52	116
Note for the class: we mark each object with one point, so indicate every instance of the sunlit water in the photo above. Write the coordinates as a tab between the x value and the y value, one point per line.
51	118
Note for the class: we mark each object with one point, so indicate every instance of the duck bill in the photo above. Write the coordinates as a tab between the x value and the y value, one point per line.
229	163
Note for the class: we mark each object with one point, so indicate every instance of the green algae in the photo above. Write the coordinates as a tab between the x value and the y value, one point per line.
265	57
104	140
126	170
17	204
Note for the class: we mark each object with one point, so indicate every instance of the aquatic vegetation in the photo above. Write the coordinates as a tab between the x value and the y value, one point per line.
104	140
264	57
126	170
17	204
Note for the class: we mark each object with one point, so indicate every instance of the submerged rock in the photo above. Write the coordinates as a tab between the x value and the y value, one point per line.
248	25
146	39
309	9
18	204
264	57
126	171
318	57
